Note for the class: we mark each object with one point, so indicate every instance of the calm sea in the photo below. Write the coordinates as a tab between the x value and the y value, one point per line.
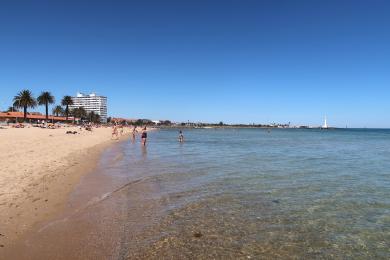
241	194
252	193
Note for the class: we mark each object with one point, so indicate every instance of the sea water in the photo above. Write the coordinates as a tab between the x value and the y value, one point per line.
258	193
232	194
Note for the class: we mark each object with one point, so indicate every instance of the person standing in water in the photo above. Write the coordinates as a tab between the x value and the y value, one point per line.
181	136
144	135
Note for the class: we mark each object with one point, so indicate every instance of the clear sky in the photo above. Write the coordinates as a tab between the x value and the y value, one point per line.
238	61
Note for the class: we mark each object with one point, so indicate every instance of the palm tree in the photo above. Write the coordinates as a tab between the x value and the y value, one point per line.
67	101
97	119
45	99
12	109
58	110
24	99
93	117
79	112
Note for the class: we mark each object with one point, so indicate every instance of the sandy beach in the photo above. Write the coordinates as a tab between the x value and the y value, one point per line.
39	167
219	195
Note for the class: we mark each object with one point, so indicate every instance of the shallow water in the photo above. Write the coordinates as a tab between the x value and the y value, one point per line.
234	193
285	193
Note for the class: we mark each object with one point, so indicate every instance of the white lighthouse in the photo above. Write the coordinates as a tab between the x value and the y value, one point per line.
325	124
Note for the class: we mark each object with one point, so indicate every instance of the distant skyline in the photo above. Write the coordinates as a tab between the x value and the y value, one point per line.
232	61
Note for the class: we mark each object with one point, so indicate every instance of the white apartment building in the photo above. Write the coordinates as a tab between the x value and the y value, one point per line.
91	102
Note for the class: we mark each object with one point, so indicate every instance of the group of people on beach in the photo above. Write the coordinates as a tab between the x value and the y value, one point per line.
144	134
118	130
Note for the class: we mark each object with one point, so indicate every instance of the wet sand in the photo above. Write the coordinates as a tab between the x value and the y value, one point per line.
94	224
40	167
215	198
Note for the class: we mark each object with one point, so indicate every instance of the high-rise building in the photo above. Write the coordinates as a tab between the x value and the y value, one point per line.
91	102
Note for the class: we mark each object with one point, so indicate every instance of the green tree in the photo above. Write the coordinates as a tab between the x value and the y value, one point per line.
58	110
67	101
45	99
79	112
93	117
12	109
139	122
97	119
24	99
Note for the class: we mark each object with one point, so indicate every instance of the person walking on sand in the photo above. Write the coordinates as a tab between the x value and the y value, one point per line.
115	132
144	135
134	132
181	136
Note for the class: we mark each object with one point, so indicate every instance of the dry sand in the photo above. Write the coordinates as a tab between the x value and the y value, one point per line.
38	169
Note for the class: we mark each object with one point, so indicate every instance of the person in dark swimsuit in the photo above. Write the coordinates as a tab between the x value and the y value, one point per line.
144	135
181	136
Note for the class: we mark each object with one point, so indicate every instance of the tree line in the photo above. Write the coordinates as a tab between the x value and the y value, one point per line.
25	100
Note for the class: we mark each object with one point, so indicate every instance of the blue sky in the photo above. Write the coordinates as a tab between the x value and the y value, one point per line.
233	61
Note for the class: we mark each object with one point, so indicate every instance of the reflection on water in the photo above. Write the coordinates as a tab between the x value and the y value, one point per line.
144	152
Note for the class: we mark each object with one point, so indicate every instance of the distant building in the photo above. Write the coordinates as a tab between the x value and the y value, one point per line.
91	102
32	117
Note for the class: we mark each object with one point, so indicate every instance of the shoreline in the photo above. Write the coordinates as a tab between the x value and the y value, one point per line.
176	202
88	227
44	190
250	127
